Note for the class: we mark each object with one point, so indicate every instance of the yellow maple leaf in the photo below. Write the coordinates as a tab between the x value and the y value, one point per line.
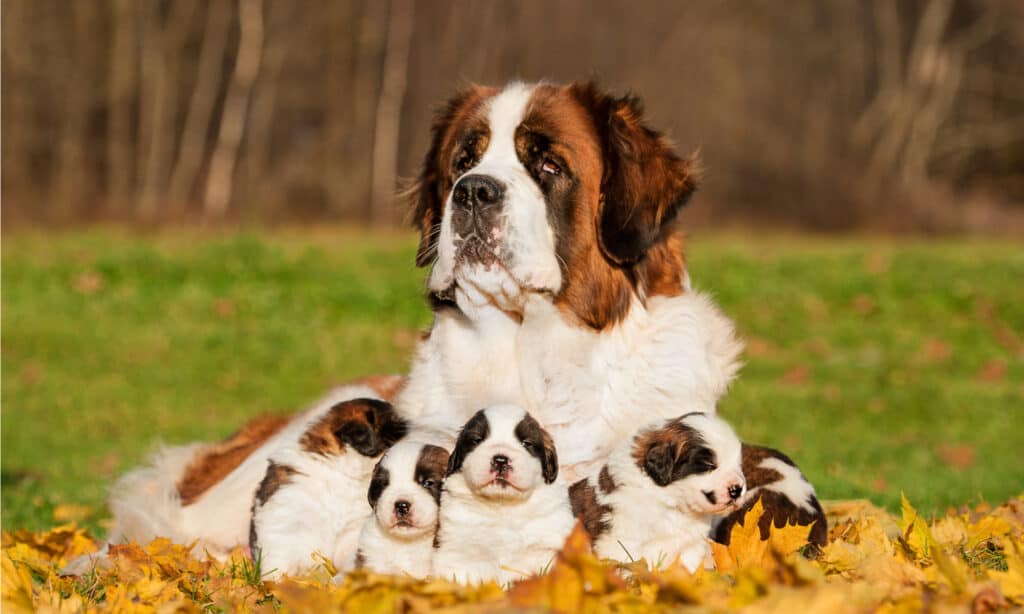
746	548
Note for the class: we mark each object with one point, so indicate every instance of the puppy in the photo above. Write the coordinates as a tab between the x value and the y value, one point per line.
405	493
658	493
312	498
504	512
787	497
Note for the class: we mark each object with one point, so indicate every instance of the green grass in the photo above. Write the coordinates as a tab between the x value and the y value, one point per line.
879	365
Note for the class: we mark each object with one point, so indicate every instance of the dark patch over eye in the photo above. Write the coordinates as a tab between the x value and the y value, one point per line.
702	460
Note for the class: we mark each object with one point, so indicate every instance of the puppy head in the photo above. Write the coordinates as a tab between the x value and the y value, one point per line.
405	490
368	426
696	459
504	454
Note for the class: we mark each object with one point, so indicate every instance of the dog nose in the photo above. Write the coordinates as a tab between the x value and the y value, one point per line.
499	463
402	508
478	191
735	491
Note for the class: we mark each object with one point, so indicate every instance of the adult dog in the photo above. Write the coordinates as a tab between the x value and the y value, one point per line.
547	215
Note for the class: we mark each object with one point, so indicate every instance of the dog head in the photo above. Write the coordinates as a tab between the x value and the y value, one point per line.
368	426
503	453
696	459
557	191
405	490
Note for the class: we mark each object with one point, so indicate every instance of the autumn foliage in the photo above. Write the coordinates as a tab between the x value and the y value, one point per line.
874	561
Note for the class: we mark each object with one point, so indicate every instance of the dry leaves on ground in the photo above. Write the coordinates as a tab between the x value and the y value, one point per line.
874	561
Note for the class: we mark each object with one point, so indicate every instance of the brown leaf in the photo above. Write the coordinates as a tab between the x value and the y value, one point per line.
936	350
797	376
89	282
994	371
862	304
224	308
957	456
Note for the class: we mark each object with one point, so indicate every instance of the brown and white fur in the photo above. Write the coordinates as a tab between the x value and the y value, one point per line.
557	275
312	498
658	493
202	493
504	510
405	494
786	495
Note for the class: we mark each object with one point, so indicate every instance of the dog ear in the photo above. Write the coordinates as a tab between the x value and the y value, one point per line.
426	194
378	483
372	430
472	433
659	461
645	183
549	463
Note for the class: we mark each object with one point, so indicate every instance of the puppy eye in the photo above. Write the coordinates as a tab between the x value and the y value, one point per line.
550	168
529	445
464	163
427	483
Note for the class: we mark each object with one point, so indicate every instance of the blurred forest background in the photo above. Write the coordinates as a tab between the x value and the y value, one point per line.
832	115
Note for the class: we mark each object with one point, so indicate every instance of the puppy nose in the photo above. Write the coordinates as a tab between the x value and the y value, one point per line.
402	508
478	191
499	463
735	491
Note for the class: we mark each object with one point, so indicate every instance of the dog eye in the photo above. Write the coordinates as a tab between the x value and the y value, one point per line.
427	483
529	445
550	168
464	163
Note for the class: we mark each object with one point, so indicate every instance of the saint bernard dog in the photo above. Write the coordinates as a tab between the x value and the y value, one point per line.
312	497
405	494
786	495
658	494
504	510
547	217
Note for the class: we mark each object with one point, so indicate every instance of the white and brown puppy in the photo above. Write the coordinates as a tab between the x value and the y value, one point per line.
313	496
405	493
547	215
504	510
659	492
787	496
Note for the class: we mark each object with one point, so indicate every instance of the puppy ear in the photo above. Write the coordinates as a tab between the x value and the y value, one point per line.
427	194
473	432
549	463
378	483
372	430
645	183
358	435
659	460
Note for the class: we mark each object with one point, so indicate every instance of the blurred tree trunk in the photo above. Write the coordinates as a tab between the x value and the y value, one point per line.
236	106
121	92
259	138
192	151
389	110
161	60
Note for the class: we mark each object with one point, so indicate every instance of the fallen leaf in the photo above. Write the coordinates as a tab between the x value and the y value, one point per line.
796	376
993	371
957	456
89	282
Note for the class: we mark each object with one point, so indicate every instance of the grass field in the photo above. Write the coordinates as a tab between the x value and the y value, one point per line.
880	365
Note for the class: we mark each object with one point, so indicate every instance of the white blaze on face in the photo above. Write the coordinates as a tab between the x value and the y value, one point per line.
400	462
722	440
525	238
525	471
